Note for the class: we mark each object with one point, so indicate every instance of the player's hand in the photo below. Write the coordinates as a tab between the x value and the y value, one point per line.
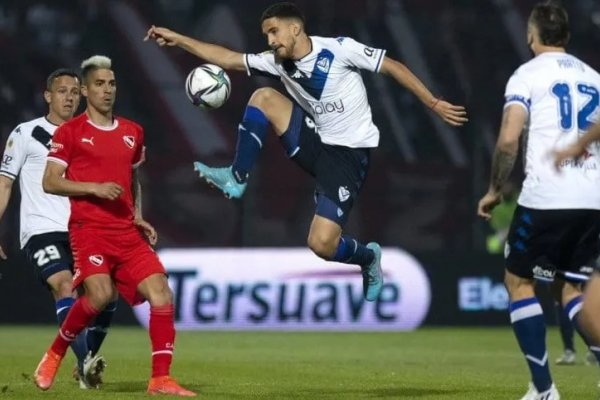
487	204
107	190
451	114
572	152
147	229
2	254
163	36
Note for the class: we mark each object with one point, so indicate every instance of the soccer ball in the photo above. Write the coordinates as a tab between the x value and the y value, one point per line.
208	86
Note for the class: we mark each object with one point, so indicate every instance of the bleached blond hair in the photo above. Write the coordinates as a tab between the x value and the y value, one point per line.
93	63
96	61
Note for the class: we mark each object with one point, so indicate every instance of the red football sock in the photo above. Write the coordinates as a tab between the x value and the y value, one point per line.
79	316
162	336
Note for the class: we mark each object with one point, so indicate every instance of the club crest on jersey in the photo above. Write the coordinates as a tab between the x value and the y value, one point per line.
129	141
323	64
97	260
343	193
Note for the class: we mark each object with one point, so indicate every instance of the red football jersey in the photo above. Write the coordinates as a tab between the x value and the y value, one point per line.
99	154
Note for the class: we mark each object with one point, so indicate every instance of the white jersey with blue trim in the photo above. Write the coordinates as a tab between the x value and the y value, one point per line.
327	84
25	156
562	97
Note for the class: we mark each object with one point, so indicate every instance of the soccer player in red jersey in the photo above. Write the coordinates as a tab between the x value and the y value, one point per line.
92	161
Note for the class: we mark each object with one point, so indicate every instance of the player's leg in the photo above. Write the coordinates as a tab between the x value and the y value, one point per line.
590	311
161	328
142	276
51	258
572	299
326	240
98	293
96	333
585	247
340	173
526	243
92	272
565	326
89	370
529	327
90	376
266	106
61	286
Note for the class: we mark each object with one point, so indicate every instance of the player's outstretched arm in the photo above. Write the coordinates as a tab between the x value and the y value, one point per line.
55	183
578	148
212	53
451	114
6	185
503	160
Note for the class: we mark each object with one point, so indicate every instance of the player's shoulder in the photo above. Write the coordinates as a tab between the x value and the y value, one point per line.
26	128
530	67
332	43
125	123
266	56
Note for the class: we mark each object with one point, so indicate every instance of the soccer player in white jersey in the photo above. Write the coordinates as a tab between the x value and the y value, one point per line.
43	232
326	129
554	232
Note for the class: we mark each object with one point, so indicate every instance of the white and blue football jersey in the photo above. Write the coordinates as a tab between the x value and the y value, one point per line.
327	84
562	97
25	156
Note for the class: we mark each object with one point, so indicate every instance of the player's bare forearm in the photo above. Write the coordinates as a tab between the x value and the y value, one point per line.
214	54
219	55
502	165
65	187
450	113
406	78
137	194
507	147
54	182
6	184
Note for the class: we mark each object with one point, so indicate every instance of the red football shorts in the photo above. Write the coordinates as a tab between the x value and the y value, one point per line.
123	254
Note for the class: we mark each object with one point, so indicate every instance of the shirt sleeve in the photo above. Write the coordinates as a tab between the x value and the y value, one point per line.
140	151
517	91
361	56
15	154
262	64
61	147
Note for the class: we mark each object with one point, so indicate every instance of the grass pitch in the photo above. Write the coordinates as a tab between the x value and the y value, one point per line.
437	363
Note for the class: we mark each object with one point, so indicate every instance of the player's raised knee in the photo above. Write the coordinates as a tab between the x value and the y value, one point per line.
263	98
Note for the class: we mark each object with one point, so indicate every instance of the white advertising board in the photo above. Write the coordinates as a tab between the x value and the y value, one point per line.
289	289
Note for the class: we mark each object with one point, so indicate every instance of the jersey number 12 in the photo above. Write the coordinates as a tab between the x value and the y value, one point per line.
562	92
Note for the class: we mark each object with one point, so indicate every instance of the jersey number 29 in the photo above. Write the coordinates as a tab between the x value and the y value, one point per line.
562	92
43	256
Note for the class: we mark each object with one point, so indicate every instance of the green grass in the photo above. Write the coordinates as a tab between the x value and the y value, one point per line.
427	364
